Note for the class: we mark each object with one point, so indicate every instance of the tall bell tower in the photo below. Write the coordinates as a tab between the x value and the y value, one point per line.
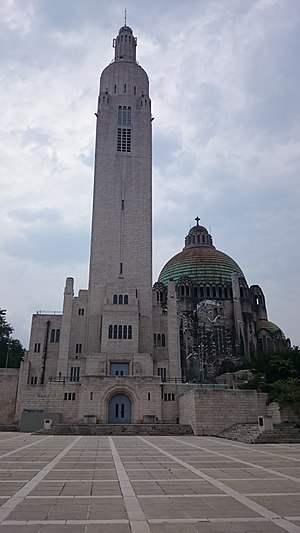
120	277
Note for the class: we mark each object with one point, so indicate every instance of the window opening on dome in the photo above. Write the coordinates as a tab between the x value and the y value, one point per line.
195	292
187	290
214	292
198	238
220	292
201	292
182	290
208	291
225	292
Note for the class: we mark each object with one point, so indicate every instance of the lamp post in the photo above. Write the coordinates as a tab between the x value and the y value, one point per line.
7	353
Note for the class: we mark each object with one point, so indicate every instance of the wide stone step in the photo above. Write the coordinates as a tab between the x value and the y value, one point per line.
116	429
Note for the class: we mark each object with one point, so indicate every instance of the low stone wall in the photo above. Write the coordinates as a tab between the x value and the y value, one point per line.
9	378
118	429
211	411
286	413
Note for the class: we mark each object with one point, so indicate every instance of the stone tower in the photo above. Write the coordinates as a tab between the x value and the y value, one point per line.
120	279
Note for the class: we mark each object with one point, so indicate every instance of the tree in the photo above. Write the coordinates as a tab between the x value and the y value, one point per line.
11	350
277	373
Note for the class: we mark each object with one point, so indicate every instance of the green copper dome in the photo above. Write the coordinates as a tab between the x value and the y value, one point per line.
270	327
200	261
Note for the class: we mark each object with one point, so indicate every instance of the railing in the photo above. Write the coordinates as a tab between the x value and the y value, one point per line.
49	313
170	381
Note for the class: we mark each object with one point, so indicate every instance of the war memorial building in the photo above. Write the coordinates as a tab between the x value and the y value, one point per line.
123	351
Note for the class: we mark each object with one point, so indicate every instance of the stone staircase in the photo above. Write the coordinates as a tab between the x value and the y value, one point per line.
116	429
285	433
241	432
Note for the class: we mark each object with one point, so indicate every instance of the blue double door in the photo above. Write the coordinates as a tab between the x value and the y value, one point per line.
119	410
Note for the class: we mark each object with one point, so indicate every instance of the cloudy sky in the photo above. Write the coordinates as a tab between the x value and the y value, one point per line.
225	92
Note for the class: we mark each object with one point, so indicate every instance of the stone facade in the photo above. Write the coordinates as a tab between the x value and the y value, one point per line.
114	354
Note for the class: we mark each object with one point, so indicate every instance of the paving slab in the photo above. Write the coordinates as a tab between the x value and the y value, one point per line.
68	484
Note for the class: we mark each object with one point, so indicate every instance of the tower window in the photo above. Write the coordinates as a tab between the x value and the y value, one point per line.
125	87
115	89
122	205
110	331
55	335
129	332
134	90
115	299
163	340
119	115
120	299
126	299
120	332
121	268
115	332
37	347
75	373
124	332
81	311
78	348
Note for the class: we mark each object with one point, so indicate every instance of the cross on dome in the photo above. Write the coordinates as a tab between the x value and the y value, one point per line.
197	220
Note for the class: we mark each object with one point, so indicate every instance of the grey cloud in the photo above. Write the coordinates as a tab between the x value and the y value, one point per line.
51	244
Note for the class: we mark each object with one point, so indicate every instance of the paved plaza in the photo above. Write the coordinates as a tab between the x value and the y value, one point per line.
146	484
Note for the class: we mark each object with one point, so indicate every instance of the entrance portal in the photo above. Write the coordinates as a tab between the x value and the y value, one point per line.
119	410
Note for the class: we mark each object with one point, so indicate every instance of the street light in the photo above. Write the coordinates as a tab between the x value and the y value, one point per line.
7	353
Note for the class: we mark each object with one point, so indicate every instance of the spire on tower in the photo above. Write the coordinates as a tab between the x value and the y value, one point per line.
125	18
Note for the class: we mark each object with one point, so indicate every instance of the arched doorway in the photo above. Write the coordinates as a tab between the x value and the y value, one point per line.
119	410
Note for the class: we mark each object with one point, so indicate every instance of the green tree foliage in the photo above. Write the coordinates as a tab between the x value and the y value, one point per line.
277	373
285	391
11	350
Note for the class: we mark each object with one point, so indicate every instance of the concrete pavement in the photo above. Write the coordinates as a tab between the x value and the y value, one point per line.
146	485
